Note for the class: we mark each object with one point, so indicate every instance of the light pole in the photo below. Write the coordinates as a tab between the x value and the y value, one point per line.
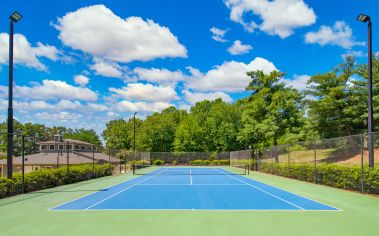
15	17
364	18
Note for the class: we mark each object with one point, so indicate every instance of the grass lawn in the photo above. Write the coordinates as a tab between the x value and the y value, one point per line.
29	215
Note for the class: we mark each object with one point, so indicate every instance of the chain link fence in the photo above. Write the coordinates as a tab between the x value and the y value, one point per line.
324	161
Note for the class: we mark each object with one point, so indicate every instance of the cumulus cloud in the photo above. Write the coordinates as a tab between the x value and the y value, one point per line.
340	34
81	80
193	98
298	82
61	116
98	31
279	17
160	76
52	90
229	77
128	106
107	68
354	53
25	54
218	34
238	48
146	92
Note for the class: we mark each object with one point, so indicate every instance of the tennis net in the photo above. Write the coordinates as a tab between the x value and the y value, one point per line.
139	169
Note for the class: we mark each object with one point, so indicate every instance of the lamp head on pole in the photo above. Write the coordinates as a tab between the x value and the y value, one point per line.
15	16
363	18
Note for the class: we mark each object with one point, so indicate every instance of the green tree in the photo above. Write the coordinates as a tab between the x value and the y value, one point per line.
85	135
210	126
337	102
272	114
157	133
116	135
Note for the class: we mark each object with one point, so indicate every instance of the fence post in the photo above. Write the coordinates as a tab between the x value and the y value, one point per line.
93	160
362	168
289	159
23	163
68	156
315	162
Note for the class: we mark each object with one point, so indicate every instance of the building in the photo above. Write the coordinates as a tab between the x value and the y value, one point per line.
57	153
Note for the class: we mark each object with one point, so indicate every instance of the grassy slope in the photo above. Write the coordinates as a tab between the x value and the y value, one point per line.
28	215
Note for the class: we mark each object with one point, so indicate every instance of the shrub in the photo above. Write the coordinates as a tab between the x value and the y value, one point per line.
207	162
174	162
345	177
44	178
197	162
158	162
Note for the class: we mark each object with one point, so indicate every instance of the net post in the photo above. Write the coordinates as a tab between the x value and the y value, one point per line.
134	168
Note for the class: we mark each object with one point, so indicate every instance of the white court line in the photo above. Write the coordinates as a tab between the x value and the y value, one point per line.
124	190
191	176
194	209
190	184
338	209
264	191
96	191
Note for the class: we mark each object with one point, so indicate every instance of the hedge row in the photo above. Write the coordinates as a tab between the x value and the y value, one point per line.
209	162
44	178
345	177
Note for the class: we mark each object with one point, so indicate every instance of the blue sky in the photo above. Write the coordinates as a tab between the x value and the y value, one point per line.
83	63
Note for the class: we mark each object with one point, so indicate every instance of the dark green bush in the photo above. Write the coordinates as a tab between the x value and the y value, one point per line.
197	162
44	178
346	177
207	162
158	162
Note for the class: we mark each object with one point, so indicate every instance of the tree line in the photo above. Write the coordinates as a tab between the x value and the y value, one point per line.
333	105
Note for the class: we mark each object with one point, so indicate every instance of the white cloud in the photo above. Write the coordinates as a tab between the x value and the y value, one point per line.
54	89
127	106
146	92
218	34
81	80
238	48
340	34
97	107
161	76
193	98
106	68
279	17
25	54
354	53
229	77
112	114
61	116
98	31
298	82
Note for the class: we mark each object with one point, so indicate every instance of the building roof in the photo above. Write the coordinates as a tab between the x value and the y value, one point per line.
65	141
51	159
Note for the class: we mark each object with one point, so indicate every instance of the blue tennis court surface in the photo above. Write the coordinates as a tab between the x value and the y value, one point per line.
170	188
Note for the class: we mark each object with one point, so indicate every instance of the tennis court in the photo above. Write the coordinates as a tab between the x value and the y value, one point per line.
194	188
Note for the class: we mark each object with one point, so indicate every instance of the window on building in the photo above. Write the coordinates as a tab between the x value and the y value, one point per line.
69	147
61	146
43	147
48	167
83	148
76	147
89	148
52	147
